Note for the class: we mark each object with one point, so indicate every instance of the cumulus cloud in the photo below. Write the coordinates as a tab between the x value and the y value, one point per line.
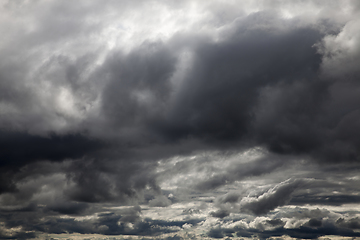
275	197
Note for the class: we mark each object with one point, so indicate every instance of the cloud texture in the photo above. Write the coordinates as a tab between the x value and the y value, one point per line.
170	119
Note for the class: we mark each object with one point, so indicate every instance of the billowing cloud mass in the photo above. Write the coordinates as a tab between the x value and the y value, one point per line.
179	119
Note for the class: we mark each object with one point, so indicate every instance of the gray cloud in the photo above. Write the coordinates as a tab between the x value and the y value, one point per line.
108	103
275	197
241	171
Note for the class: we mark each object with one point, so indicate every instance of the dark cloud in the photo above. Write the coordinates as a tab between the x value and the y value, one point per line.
325	200
125	221
68	207
109	180
215	233
233	91
221	213
19	149
275	222
18	236
353	223
303	213
314	222
139	86
108	103
218	97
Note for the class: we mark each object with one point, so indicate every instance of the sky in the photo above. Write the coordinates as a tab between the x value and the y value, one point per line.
167	119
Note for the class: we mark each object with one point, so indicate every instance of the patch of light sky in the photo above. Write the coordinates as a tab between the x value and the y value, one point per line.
199	166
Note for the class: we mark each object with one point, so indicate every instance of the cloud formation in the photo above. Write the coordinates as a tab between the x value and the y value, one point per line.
195	114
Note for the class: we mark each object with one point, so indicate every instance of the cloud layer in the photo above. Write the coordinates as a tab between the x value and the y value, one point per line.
170	119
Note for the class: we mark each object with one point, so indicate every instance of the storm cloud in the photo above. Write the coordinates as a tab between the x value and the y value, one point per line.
168	119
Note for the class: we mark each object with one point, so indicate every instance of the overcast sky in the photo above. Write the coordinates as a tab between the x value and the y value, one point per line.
168	119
